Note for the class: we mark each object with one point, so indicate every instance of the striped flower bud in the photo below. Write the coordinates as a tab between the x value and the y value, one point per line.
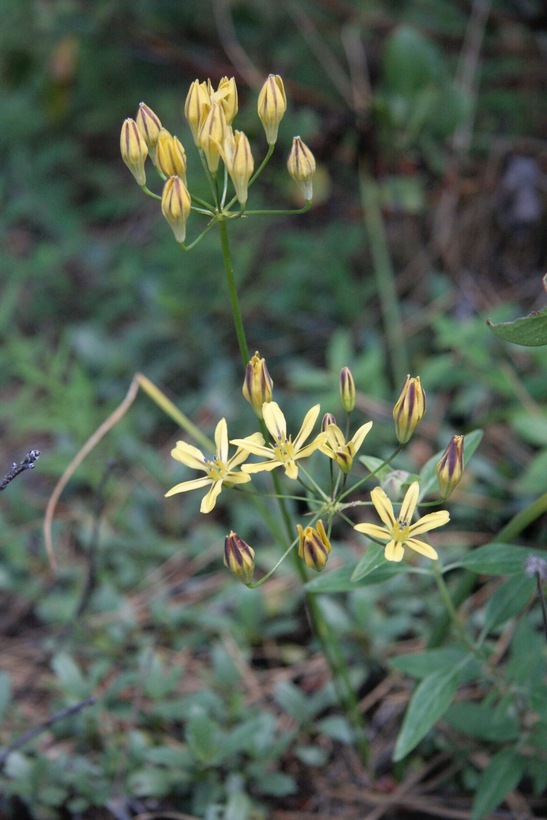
149	125
196	107
239	162
170	156
301	167
313	546
272	104
258	384
327	419
409	409
239	558
347	389
133	150
211	135
226	95
175	205
450	467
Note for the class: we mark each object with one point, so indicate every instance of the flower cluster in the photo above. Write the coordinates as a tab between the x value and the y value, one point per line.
282	450
210	113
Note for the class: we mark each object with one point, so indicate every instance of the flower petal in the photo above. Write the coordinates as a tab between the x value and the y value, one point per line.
242	454
359	436
236	478
188	455
383	506
307	426
421	547
409	502
221	440
394	551
274	419
195	484
291	469
310	448
430	522
208	501
335	437
253	444
261	465
374	531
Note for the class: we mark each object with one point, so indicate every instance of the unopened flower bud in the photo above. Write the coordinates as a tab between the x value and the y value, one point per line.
394	484
272	104
409	409
226	95
450	467
327	419
196	107
149	125
239	558
175	205
347	389
313	546
301	167
239	162
258	384
211	135
170	156
133	150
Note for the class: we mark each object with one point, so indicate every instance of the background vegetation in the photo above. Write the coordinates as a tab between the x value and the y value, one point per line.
210	699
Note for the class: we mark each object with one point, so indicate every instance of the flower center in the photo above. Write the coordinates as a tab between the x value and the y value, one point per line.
215	468
283	449
401	530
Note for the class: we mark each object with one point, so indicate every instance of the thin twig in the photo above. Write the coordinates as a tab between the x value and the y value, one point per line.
32	733
16	469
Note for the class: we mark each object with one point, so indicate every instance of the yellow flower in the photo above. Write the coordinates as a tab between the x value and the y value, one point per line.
226	95
239	558
340	450
283	451
409	409
211	135
176	204
272	104
450	467
149	125
258	384
399	531
301	167
170	155
237	156
219	471
196	107
134	150
313	546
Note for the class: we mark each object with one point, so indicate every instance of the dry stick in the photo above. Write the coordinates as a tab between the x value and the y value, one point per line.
77	460
16	469
231	45
32	733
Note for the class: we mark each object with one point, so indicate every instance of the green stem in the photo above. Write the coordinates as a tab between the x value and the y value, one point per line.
328	641
234	301
451	609
523	519
385	276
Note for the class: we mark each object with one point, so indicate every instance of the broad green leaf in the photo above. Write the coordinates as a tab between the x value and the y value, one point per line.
500	776
371	560
203	736
291	699
430	700
507	601
529	331
69	676
338	580
480	720
496	559
277	784
410	62
422	664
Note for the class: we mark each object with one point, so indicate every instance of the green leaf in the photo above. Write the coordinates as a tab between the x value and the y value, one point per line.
291	699
430	700
500	776
410	62
69	676
202	735
507	601
371	560
277	784
480	720
496	559
422	664
529	331
338	580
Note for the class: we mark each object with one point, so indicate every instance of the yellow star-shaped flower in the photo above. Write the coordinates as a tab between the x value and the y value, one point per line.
220	470
340	450
399	531
283	451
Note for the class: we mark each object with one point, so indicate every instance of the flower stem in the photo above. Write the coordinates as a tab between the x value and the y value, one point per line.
234	301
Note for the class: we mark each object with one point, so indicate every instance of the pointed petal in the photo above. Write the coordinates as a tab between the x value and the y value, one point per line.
383	506
394	551
421	547
241	454
291	470
221	440
409	502
262	465
253	444
310	448
236	478
208	501
359	437
307	426
430	522
188	455
374	531
335	437
274	419
195	484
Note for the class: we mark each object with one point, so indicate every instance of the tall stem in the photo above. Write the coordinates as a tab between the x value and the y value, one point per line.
321	628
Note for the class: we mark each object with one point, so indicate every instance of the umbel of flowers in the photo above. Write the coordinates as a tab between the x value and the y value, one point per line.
210	114
237	470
